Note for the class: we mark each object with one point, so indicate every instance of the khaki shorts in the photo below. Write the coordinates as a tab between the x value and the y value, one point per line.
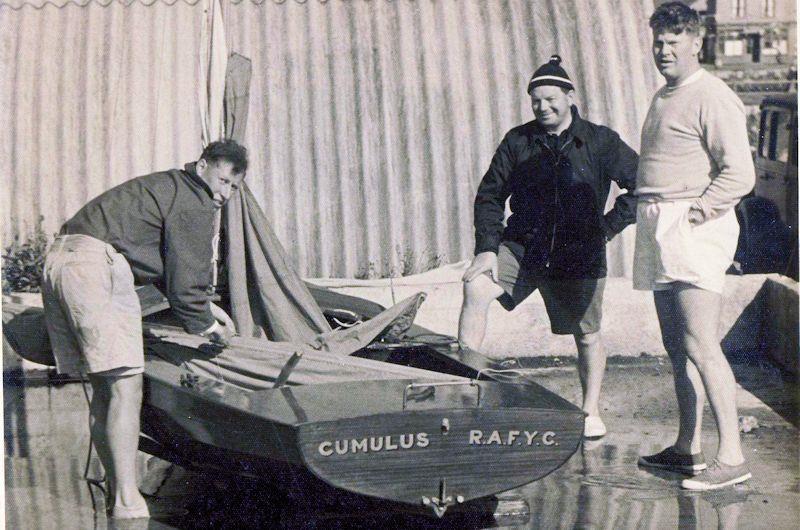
91	308
574	306
669	249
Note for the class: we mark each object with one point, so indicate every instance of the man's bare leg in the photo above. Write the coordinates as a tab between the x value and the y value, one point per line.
700	310
591	368
122	399
688	384
478	294
99	418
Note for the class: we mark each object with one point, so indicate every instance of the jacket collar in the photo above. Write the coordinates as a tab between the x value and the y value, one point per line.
191	169
576	129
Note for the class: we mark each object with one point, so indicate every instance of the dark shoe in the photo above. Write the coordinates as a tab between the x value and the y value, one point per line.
671	460
717	476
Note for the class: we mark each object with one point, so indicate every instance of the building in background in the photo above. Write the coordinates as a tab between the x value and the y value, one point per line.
750	32
751	44
747	32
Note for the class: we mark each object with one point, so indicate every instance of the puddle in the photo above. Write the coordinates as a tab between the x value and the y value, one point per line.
600	487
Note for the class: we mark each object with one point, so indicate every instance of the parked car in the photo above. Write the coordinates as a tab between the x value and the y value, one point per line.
768	218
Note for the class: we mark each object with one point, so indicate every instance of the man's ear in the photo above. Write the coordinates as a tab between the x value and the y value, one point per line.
697	44
201	166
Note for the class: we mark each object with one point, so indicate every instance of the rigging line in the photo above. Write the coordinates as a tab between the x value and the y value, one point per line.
220	377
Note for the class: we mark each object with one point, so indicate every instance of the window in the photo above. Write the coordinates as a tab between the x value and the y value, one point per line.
739	8
769	8
779	137
774	141
733	47
762	135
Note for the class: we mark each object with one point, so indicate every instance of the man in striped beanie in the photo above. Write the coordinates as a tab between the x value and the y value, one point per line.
557	171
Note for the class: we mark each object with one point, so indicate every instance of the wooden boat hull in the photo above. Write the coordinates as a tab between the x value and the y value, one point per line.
422	443
454	433
440	456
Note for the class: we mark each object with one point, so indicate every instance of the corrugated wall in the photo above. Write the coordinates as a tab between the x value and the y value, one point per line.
371	122
92	96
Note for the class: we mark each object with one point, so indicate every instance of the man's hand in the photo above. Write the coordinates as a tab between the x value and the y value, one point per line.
223	329
485	261
221	336
223	317
695	216
608	233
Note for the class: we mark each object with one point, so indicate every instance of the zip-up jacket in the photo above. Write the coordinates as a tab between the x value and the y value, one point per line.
163	223
558	187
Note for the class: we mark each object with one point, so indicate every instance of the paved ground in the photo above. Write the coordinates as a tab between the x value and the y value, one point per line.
630	325
600	487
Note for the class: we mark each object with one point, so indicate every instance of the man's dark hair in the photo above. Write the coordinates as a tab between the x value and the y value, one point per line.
675	17
226	150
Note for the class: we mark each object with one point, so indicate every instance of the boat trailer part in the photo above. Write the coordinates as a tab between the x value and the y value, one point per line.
440	504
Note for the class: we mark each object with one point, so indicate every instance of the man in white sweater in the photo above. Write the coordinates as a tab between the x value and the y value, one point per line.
694	167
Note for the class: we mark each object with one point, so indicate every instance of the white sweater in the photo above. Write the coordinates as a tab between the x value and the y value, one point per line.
694	146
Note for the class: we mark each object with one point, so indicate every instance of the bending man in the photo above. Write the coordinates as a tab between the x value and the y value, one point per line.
155	228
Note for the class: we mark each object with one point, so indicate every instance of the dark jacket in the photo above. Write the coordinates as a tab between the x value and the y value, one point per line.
558	189
163	224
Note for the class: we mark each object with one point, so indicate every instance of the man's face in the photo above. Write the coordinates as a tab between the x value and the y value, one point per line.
675	55
551	106
220	178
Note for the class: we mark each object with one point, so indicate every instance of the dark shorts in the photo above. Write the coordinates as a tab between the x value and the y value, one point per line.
574	306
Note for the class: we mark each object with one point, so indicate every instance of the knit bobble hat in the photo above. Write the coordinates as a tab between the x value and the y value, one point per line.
551	73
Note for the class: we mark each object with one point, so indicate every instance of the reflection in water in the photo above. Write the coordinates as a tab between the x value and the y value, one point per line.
689	517
599	487
592	499
602	488
728	504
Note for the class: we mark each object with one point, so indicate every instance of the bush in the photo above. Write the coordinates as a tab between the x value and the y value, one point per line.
409	262
23	262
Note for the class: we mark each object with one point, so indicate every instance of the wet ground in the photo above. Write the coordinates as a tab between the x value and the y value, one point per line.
46	440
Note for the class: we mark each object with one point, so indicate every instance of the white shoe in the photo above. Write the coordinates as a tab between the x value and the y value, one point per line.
593	427
139	511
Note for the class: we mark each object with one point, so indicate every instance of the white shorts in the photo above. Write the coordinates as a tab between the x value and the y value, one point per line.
669	249
91	308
